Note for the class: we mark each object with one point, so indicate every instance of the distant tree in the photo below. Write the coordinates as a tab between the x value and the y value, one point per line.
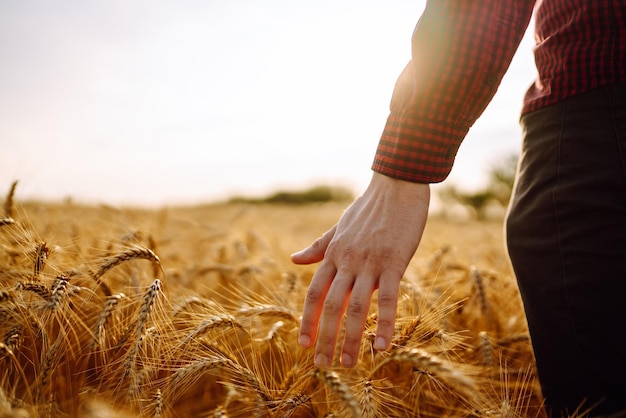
475	202
316	194
499	189
502	178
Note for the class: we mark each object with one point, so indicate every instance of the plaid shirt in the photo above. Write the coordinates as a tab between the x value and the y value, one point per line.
461	50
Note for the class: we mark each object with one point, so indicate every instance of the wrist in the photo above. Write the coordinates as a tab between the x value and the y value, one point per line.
403	189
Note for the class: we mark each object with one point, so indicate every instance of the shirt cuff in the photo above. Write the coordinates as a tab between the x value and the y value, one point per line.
417	149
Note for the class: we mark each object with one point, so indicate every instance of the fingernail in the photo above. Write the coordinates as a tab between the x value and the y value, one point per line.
304	340
346	360
380	343
321	360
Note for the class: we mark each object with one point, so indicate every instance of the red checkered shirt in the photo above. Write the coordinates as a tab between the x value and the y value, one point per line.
461	50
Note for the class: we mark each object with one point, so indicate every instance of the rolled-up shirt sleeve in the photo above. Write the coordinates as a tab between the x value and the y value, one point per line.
461	49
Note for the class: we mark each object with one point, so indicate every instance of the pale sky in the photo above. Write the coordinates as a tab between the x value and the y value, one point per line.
171	102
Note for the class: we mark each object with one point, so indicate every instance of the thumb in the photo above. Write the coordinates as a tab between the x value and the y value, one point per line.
314	252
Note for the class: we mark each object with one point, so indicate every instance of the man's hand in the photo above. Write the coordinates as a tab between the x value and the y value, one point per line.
368	249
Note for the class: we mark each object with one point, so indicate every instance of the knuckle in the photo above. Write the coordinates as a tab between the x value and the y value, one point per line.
306	324
344	255
326	341
348	254
318	243
386	320
314	294
386	257
384	324
332	249
351	340
387	300
356	308
332	307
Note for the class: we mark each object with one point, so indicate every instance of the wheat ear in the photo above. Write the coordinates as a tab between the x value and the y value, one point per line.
49	364
34	287
407	332
368	400
213	322
191	372
335	385
138	327
251	381
129	363
149	299
430	363
131	254
9	208
7	221
485	348
270	310
289	405
158	406
58	292
107	310
13	338
480	288
41	255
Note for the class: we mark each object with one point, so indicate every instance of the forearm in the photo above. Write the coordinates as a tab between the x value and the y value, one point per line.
461	50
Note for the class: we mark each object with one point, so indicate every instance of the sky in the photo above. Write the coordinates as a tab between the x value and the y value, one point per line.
154	102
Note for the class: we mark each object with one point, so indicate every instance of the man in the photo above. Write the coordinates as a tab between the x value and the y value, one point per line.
566	226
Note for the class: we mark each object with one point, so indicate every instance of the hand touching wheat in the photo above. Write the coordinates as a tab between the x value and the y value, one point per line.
368	249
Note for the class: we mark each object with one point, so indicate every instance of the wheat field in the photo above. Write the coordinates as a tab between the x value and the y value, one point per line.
195	311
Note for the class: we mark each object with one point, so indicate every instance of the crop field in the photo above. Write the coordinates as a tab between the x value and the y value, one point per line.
195	311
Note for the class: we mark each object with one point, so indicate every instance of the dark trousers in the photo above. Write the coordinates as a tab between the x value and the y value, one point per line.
566	237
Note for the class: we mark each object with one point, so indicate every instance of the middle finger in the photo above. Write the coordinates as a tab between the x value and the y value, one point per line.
332	313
